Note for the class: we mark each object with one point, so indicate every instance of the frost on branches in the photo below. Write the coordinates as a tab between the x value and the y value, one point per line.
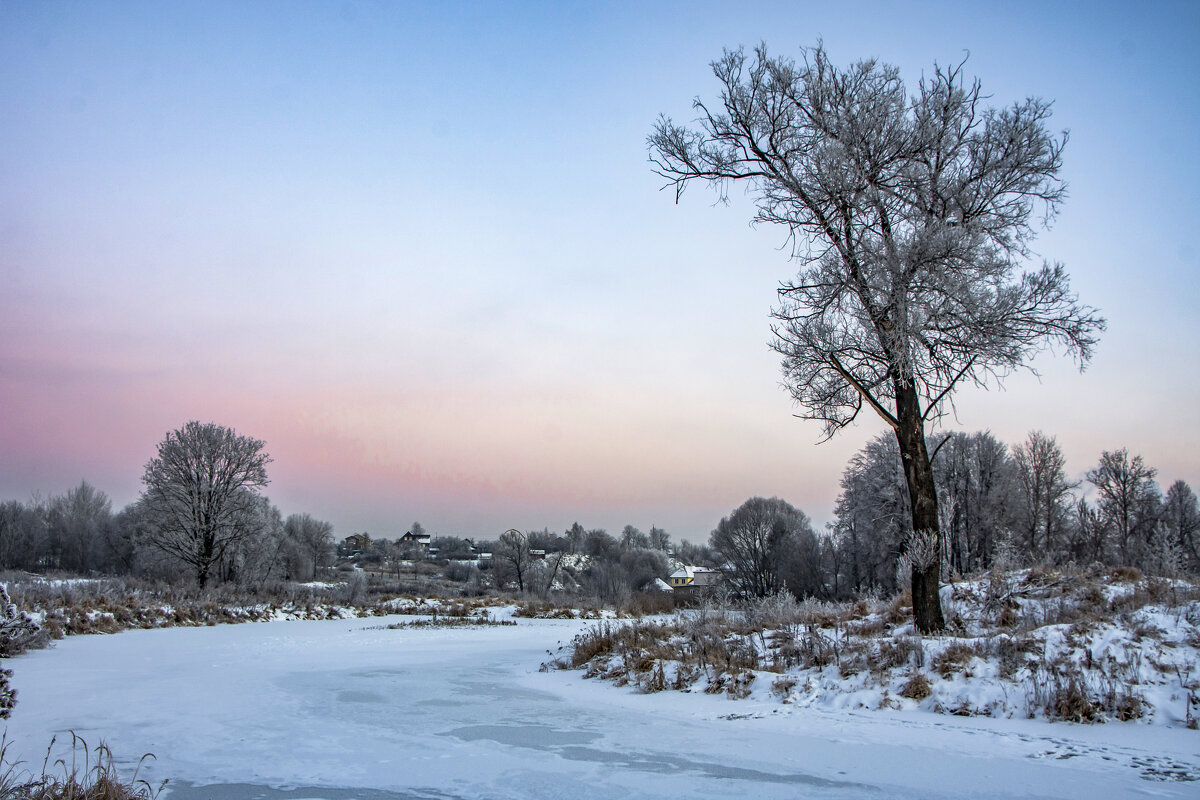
17	632
912	215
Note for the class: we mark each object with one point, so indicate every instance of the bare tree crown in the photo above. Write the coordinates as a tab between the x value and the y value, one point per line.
910	216
203	486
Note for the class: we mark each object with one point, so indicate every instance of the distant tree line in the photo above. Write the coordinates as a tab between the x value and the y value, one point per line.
998	506
200	516
1014	506
78	532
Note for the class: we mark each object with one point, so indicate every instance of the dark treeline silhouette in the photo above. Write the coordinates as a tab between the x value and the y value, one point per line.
200	515
78	532
1000	505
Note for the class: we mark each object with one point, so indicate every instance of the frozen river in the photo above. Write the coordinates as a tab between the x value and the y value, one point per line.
349	709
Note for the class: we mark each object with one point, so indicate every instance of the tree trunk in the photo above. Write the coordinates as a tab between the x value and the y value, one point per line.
205	560
922	492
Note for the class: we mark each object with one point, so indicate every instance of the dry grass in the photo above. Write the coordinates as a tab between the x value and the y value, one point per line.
917	688
70	607
645	604
551	609
1074	644
90	775
956	657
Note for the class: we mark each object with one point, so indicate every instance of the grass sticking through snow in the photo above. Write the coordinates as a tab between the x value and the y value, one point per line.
91	774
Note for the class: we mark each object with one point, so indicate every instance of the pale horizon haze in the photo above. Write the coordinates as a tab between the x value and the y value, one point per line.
419	250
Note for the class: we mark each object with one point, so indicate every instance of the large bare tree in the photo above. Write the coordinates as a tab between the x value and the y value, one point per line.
911	216
756	540
1127	499
1043	497
512	559
1181	517
201	493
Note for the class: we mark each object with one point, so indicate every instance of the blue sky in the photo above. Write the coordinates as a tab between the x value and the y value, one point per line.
418	248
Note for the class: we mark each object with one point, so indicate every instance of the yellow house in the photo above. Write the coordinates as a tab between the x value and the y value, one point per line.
693	576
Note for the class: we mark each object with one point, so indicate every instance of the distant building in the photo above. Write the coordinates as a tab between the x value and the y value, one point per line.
689	577
354	543
416	538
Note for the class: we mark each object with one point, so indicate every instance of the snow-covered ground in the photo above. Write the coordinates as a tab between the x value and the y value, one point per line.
350	709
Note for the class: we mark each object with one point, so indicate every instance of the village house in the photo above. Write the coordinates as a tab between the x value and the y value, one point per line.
354	543
688	578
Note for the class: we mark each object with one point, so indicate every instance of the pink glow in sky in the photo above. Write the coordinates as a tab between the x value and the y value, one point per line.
418	249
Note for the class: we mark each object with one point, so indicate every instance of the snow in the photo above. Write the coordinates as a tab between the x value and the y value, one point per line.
338	709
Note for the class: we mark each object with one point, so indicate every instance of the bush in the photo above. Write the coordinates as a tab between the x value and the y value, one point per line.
1070	702
917	687
954	658
459	572
642	604
18	632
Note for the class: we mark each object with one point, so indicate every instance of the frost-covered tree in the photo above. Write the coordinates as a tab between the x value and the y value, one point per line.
1127	500
697	555
17	632
872	517
633	539
575	536
77	524
452	547
911	215
974	479
1181	517
607	580
659	539
201	493
757	540
1042	498
601	545
312	541
642	565
806	569
24	543
1088	537
263	552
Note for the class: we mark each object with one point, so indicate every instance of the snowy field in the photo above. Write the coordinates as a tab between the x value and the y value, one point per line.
339	709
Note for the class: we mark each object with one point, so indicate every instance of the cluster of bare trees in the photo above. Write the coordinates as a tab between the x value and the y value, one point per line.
1015	505
997	505
201	515
584	562
766	546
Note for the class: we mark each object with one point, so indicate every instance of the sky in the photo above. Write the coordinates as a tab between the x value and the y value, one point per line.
419	250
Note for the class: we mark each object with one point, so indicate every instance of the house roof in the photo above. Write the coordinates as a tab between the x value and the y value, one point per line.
688	571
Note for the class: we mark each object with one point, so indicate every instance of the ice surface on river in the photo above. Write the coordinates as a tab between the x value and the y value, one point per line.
346	709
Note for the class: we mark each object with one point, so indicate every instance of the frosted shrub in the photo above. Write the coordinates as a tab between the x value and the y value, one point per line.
17	633
355	588
778	611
